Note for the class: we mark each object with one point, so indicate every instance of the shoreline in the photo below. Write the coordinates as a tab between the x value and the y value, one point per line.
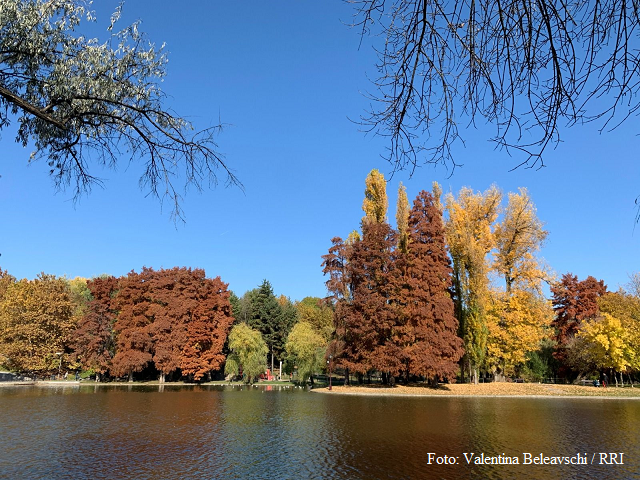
488	390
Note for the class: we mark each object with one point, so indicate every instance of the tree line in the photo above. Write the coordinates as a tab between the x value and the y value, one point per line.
169	324
455	291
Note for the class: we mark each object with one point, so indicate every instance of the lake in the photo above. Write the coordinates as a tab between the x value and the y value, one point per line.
203	432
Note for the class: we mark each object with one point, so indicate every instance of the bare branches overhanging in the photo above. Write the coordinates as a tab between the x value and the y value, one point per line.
526	67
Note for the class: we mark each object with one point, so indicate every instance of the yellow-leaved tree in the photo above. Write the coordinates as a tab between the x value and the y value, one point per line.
604	343
375	202
469	233
402	219
36	321
519	317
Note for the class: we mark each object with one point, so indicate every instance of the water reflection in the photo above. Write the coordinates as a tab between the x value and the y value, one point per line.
248	432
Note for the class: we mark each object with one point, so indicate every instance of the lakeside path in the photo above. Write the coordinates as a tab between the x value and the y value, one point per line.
488	390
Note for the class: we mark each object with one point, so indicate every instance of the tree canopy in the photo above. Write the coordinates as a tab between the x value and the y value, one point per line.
81	103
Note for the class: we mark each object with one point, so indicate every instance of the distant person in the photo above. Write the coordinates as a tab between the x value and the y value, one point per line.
605	380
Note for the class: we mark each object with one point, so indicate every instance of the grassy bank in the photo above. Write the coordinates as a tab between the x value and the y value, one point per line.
488	390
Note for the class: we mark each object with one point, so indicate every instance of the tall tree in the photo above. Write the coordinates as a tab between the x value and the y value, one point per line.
367	319
519	317
402	219
36	322
267	317
519	236
79	101
470	238
429	340
375	202
94	337
134	344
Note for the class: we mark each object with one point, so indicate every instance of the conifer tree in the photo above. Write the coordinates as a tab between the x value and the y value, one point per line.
431	347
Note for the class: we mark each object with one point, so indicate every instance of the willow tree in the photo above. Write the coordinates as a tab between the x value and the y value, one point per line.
81	104
248	353
469	233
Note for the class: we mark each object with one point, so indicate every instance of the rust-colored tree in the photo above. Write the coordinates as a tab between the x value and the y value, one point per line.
208	322
176	319
94	338
134	344
360	282
573	302
428	337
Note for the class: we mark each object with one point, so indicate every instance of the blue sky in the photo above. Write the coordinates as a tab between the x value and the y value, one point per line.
286	77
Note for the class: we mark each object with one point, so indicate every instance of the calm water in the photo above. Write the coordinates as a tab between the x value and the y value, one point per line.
223	432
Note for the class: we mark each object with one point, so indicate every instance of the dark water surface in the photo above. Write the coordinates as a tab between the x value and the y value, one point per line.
140	432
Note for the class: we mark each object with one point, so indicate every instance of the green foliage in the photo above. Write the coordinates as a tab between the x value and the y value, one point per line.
79	101
248	353
305	349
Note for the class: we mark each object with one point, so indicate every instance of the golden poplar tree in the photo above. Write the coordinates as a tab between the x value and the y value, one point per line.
375	202
470	237
402	219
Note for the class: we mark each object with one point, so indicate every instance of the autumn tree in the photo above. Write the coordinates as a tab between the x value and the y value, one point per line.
573	302
365	319
318	313
83	103
402	219
176	319
36	322
248	353
518	237
469	234
605	344
208	319
427	333
94	337
375	201
518	318
134	344
517	322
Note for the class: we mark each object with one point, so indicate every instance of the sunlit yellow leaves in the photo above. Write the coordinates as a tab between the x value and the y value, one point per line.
402	219
518	237
375	202
607	344
36	320
517	322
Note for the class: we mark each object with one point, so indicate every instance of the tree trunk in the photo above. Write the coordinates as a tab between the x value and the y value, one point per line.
475	375
161	377
130	376
346	376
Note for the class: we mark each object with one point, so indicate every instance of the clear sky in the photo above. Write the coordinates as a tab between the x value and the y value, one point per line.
287	76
